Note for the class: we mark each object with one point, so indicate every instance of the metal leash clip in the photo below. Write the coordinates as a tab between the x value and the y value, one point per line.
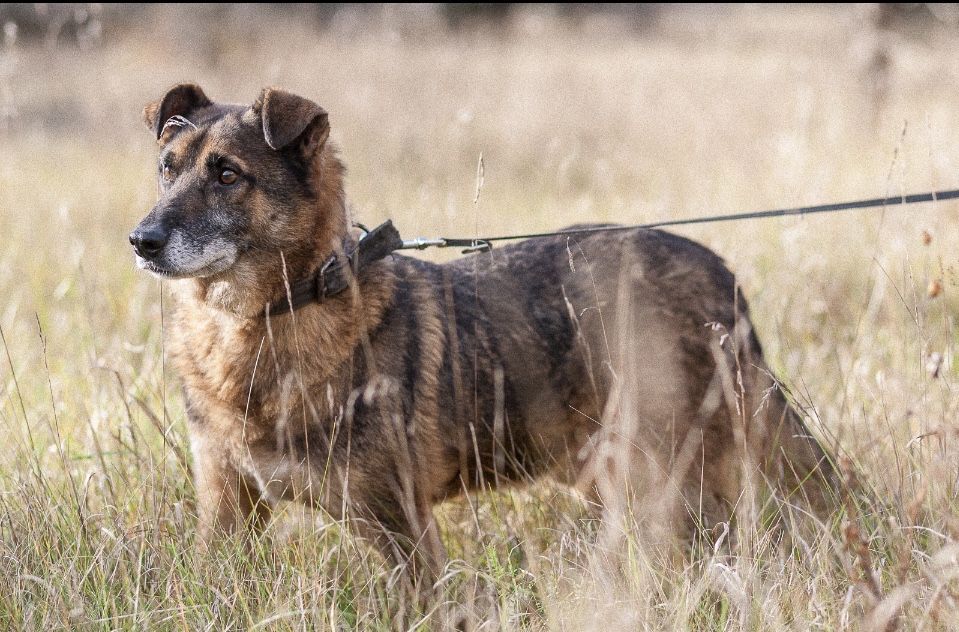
478	245
422	243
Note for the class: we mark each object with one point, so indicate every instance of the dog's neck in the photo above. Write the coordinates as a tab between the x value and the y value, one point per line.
248	289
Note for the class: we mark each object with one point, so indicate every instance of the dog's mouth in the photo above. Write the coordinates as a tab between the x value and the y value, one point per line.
209	269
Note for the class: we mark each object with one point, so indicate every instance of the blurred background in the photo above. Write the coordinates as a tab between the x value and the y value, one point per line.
622	113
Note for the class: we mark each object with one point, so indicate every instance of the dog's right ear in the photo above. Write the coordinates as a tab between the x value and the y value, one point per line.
179	100
290	121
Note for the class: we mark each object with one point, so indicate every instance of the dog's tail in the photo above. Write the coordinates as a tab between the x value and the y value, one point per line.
802	468
791	459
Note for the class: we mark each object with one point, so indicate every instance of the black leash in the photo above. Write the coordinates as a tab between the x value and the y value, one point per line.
486	243
338	271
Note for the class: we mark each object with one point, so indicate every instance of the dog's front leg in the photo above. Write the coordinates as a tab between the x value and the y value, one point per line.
410	538
411	541
227	501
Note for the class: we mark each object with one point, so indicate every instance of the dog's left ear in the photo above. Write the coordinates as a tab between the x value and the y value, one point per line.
292	121
179	100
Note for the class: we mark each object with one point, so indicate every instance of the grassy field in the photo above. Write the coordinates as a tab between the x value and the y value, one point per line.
739	110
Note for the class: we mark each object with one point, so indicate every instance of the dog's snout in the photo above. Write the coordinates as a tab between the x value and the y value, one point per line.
148	241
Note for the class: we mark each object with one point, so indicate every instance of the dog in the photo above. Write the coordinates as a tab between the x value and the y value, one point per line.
320	366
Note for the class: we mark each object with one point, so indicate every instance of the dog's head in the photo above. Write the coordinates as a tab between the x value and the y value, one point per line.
238	186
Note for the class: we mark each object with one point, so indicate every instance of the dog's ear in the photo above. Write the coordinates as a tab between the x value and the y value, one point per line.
292	121
179	100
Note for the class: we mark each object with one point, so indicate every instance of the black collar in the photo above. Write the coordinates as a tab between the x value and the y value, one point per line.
338	271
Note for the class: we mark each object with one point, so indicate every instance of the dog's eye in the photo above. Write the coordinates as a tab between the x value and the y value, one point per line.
167	173
228	177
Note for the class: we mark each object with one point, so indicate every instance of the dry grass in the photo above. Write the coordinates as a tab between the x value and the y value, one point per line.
750	108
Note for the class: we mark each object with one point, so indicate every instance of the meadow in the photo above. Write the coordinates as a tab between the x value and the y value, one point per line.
591	120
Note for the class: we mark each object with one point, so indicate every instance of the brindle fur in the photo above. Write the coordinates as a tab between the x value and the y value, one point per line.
424	380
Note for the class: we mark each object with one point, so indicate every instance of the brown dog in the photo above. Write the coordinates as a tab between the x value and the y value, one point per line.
405	382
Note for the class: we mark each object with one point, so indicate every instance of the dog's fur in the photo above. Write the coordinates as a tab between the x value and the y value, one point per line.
423	381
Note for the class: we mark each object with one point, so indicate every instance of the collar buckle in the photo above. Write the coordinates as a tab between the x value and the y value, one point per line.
321	285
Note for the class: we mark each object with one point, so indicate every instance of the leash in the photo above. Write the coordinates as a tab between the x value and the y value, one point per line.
335	275
486	243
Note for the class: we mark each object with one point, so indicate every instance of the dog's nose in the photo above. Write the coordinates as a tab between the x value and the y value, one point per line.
148	242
